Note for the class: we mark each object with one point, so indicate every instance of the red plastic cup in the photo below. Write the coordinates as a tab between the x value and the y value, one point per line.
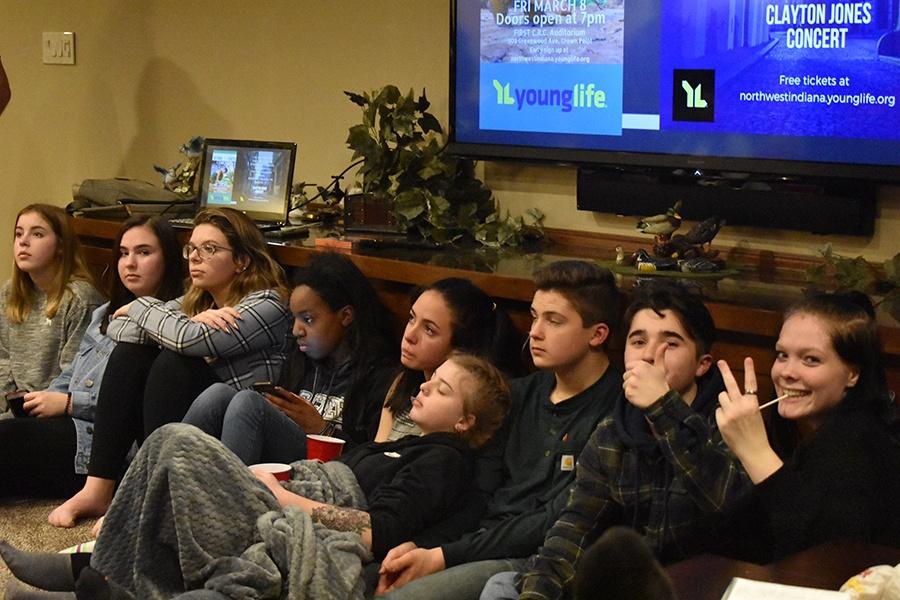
323	447
281	471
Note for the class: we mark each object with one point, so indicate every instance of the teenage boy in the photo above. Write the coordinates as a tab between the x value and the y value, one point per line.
553	413
649	465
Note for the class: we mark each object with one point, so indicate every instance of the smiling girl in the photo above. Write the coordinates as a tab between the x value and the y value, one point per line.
48	456
232	325
46	306
830	470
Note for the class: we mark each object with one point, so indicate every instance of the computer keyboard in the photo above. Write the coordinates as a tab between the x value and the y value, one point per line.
182	222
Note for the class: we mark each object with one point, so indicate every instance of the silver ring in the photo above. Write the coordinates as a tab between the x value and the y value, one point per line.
750	393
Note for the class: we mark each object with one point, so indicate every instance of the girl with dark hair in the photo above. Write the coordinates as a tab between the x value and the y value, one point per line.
834	476
48	456
46	305
333	384
450	314
232	325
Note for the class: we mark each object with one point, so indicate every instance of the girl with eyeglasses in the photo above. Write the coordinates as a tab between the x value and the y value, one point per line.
231	326
48	455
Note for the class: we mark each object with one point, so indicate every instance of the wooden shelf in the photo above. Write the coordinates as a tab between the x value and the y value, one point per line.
746	310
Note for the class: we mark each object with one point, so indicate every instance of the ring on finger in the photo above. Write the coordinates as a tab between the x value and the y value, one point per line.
750	392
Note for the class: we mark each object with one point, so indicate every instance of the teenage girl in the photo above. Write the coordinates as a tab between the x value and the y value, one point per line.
178	525
450	314
334	383
46	306
48	455
829	471
232	325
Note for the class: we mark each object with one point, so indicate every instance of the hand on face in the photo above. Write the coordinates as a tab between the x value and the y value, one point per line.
645	382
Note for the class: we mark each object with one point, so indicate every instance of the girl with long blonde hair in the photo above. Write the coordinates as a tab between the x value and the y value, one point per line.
47	303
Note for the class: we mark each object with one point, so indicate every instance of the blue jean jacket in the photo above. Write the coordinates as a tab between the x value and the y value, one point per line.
82	379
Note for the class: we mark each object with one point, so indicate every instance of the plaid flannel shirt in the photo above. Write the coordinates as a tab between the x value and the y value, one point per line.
664	494
254	351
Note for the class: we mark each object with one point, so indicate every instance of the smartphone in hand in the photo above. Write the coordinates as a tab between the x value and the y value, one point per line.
16	401
264	387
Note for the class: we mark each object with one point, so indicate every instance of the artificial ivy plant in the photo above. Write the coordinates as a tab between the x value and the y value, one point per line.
843	274
405	163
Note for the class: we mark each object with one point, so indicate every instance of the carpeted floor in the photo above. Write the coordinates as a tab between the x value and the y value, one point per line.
24	525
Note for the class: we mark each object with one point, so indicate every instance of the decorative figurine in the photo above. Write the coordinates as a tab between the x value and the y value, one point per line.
663	225
646	263
180	178
693	244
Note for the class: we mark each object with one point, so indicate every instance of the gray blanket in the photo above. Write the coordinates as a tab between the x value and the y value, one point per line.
189	515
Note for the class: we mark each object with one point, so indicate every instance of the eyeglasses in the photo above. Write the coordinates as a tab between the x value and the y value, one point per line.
205	251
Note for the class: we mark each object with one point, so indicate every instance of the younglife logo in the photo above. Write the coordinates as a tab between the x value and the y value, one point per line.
582	95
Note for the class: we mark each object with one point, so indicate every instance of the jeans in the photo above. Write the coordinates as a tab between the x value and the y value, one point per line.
462	582
248	425
501	586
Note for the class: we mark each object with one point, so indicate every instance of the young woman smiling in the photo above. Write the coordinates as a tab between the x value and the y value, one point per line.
830	469
232	325
48	455
47	304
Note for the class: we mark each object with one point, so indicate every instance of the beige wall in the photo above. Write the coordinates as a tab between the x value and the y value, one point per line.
152	73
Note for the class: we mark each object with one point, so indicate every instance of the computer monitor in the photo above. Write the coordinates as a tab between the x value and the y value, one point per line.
252	176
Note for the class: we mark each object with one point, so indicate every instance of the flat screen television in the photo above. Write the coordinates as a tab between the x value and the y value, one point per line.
784	87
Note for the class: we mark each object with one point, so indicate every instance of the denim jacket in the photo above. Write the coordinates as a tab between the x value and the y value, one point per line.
82	379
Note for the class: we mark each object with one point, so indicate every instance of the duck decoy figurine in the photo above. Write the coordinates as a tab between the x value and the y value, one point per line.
703	232
647	263
662	225
699	265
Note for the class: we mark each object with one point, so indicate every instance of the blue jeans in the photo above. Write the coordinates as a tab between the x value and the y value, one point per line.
462	582
248	425
501	586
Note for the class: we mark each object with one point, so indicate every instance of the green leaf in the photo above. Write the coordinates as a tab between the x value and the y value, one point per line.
428	122
422	104
410	204
359	99
389	94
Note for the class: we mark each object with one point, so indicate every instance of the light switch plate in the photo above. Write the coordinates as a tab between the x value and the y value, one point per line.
58	48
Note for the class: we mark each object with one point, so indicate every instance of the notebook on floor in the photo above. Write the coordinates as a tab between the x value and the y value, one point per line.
252	176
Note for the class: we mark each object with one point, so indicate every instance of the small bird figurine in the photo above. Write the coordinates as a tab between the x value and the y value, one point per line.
170	176
662	225
624	259
703	232
193	147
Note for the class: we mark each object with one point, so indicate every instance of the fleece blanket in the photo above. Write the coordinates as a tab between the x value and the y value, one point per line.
190	517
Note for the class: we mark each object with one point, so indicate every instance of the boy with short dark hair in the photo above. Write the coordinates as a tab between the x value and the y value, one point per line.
638	468
554	412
